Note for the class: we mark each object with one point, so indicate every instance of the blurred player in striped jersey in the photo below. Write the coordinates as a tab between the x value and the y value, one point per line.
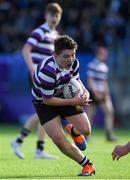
39	46
97	71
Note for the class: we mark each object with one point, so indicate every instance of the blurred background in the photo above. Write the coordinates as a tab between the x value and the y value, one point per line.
91	23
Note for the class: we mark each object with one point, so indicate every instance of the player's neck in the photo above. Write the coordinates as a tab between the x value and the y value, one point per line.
51	27
58	63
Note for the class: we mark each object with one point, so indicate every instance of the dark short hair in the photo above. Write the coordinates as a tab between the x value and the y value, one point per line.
53	8
63	43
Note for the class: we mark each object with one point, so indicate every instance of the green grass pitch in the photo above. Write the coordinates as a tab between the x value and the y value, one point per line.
99	151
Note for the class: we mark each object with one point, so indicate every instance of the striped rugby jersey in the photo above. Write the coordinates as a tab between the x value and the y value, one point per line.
99	72
42	40
49	79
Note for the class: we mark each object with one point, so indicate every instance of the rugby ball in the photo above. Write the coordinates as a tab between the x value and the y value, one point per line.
72	88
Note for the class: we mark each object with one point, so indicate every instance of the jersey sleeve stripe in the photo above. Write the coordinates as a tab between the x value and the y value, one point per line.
47	93
38	34
32	41
47	85
43	50
47	73
45	76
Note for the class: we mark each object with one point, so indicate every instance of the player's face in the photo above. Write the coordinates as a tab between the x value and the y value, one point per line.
66	58
53	19
102	57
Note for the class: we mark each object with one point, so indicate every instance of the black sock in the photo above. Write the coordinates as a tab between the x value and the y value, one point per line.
40	145
18	140
84	161
24	133
73	133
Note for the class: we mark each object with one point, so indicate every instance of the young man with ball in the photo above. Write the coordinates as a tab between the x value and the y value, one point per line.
50	77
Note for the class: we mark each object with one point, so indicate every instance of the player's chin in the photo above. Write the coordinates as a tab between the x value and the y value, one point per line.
56	23
69	66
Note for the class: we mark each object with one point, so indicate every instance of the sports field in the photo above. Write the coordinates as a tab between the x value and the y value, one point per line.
99	151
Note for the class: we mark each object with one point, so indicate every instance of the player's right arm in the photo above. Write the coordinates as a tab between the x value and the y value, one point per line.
75	101
36	36
27	57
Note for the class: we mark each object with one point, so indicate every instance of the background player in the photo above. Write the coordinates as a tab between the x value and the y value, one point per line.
97	80
39	46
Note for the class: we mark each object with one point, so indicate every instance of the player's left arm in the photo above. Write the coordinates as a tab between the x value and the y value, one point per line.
85	91
77	76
